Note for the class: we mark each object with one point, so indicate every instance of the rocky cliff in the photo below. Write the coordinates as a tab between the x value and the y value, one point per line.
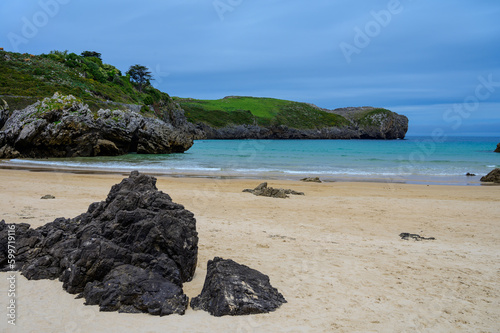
62	126
361	123
375	123
73	130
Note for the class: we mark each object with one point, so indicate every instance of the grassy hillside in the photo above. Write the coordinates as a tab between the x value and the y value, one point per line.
258	111
87	78
260	107
26	78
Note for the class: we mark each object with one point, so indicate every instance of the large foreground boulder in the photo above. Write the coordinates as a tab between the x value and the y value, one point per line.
493	176
234	289
130	253
62	126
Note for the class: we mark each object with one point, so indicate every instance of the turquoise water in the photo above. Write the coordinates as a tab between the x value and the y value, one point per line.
413	160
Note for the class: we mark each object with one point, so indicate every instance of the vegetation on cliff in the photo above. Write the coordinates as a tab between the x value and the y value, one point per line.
238	110
26	79
236	117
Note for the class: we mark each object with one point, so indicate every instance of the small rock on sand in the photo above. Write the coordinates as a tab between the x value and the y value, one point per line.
311	180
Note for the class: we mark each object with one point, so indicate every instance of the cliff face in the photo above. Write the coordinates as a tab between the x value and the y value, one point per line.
362	123
373	123
148	120
4	112
62	126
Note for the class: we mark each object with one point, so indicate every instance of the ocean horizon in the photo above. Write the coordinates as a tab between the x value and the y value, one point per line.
416	159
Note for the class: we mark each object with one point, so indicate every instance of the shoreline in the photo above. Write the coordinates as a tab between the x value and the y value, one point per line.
334	254
458	180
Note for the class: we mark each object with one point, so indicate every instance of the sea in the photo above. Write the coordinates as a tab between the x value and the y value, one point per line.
415	160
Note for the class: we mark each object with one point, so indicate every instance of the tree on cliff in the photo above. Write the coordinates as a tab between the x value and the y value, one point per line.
140	75
86	54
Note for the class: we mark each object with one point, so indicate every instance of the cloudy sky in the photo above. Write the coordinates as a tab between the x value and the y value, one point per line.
437	62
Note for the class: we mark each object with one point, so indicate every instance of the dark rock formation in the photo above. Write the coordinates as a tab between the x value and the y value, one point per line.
493	176
4	112
132	289
234	289
61	126
498	148
265	191
363	125
22	240
407	236
48	196
372	123
468	174
311	180
130	253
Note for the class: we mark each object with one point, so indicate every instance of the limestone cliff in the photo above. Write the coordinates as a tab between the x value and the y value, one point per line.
62	126
361	123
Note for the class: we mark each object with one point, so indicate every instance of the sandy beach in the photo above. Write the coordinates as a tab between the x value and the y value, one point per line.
334	254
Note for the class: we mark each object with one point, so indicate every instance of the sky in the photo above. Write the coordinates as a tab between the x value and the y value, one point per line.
437	62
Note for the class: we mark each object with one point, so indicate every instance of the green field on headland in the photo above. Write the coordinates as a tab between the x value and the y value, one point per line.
258	111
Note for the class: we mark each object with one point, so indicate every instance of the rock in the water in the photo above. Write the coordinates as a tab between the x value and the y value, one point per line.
62	126
468	174
265	191
234	289
493	176
137	247
48	196
498	148
311	180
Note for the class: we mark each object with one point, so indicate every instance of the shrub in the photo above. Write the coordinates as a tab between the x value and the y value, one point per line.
148	100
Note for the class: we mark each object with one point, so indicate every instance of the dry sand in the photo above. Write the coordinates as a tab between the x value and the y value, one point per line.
334	254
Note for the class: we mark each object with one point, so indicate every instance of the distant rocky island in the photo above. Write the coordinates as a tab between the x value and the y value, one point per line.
66	105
